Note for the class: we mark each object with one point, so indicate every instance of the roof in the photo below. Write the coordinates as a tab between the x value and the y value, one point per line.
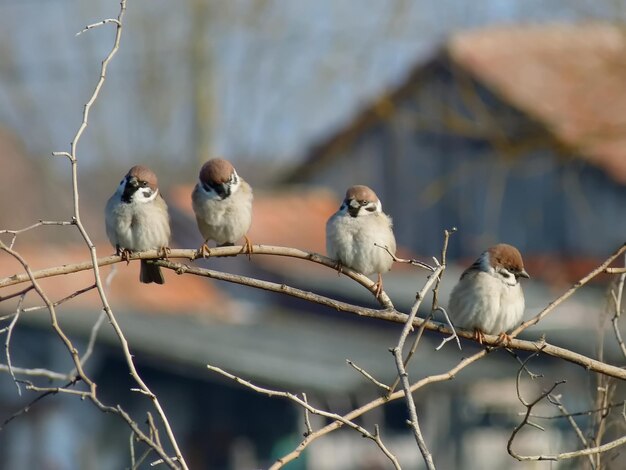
295	217
568	77
180	294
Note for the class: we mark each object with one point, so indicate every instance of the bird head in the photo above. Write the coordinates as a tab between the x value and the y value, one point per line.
139	185
219	179
360	201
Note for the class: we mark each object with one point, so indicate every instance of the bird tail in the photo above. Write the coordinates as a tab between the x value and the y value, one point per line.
150	273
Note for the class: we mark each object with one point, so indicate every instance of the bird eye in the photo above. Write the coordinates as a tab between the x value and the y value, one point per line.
506	273
144	184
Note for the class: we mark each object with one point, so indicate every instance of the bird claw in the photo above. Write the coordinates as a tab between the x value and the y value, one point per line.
479	336
247	247
339	268
164	252
504	338
378	287
124	253
204	251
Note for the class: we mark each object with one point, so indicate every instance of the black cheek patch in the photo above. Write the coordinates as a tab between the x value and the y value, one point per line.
370	209
353	211
127	195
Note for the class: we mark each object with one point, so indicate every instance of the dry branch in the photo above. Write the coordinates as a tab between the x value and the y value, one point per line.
387	314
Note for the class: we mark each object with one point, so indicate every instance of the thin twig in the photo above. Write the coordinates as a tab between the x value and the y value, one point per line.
399	317
96	326
387	314
21	292
99	23
368	375
404	376
375	404
61	301
76	221
73	158
303	403
7	342
26	409
15	233
617	299
582	413
307	420
556	401
529	407
36	372
599	270
411	352
414	262
453	335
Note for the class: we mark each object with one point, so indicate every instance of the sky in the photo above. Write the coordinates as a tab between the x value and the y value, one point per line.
272	77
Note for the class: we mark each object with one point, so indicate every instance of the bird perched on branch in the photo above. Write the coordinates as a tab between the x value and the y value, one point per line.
360	236
222	202
137	220
489	298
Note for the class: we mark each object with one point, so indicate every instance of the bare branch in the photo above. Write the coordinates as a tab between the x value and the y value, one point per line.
375	404
95	25
387	314
19	293
413	262
599	270
617	294
451	326
226	251
307	420
556	401
368	376
311	409
8	342
26	409
404	376
36	372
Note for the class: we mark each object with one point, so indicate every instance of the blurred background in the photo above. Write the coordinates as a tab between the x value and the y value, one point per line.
504	119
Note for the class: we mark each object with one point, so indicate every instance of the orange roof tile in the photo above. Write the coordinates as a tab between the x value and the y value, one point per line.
293	217
571	77
180	294
290	217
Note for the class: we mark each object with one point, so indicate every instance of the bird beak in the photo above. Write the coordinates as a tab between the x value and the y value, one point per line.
222	190
353	208
523	273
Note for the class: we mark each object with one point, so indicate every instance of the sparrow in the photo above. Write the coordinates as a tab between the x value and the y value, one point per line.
489	298
222	202
359	235
136	219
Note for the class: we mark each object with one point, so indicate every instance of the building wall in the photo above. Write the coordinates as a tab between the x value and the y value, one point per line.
453	155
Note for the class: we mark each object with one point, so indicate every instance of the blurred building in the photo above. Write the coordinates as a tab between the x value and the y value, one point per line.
511	134
273	340
472	139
